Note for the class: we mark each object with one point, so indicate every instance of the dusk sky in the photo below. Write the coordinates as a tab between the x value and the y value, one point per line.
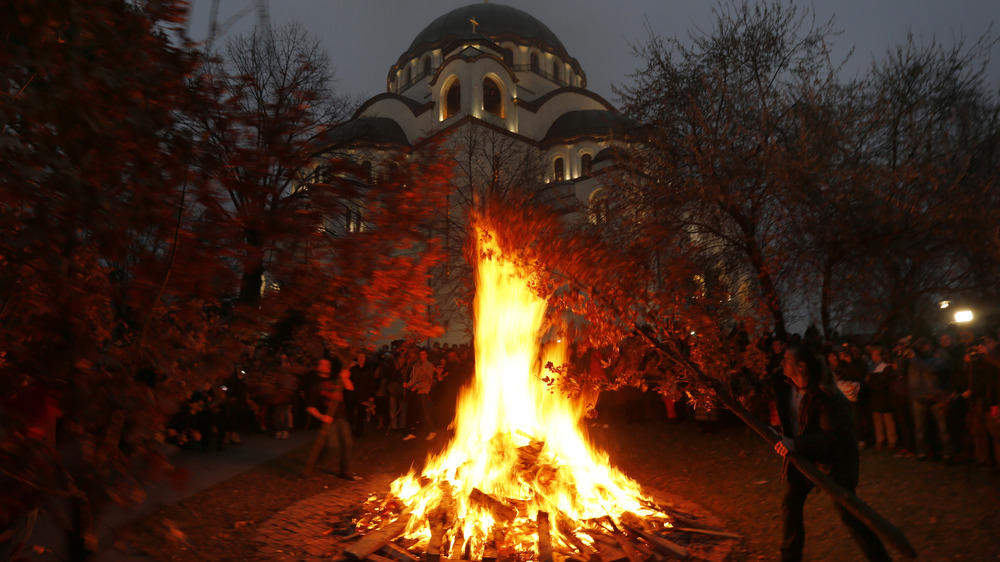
365	37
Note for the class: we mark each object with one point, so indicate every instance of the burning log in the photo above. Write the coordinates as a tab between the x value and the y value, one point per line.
567	525
458	548
528	454
398	554
433	552
490	553
658	543
500	510
623	541
374	541
609	550
544	539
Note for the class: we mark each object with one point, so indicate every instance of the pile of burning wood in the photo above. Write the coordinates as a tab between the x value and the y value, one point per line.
676	536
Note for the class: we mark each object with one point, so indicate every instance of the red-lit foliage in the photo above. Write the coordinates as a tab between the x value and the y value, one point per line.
119	282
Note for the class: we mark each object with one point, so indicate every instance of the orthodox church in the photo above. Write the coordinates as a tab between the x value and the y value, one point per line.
500	87
493	67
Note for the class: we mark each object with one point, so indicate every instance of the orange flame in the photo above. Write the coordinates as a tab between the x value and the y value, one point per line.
517	439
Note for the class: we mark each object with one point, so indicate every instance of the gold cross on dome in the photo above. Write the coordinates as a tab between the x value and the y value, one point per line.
474	24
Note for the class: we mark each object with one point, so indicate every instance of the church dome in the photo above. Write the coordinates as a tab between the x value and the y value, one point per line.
495	21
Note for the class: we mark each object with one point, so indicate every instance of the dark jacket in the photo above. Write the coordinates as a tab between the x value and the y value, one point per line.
825	428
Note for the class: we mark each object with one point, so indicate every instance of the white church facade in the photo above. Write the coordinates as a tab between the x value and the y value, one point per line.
490	65
492	76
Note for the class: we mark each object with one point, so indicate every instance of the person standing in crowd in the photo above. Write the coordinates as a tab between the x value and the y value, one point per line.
285	387
235	408
816	424
363	405
879	381
899	398
421	381
981	367
326	404
927	399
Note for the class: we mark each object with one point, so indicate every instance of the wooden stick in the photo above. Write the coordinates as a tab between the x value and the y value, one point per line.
458	548
706	532
375	540
659	543
567	526
398	554
500	510
623	541
544	539
608	551
433	552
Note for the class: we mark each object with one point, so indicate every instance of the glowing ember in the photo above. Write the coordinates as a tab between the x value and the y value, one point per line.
518	448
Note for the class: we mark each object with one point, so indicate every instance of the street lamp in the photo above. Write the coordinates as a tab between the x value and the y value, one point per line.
963	316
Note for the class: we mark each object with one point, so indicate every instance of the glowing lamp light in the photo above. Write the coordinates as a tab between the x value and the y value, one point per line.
963	316
945	304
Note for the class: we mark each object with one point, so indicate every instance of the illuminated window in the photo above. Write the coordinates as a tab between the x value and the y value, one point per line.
453	99
586	164
492	98
599	207
559	170
354	221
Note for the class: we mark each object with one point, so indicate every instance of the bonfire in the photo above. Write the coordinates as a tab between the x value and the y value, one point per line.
519	480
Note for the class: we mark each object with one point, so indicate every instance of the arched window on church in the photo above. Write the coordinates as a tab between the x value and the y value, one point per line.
453	99
534	62
406	76
492	97
599	209
559	170
427	66
508	56
586	164
556	71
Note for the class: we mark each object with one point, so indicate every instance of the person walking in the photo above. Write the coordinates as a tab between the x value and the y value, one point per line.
816	424
326	404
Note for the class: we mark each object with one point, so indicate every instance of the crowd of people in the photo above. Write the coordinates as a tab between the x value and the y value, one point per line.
399	388
924	398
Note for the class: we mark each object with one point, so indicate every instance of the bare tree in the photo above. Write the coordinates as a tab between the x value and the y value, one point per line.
726	151
931	145
275	101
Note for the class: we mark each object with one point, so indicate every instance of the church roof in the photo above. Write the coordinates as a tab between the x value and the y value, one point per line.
494	20
376	130
589	123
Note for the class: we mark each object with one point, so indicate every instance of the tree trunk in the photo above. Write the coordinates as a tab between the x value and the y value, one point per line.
824	299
